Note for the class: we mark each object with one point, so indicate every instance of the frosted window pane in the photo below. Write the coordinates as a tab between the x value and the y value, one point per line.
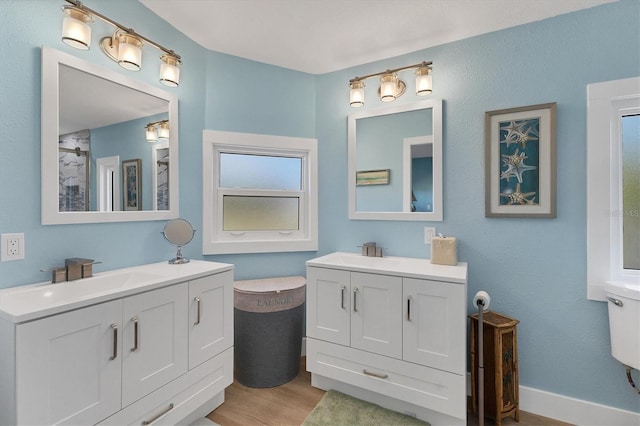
631	191
260	213
260	171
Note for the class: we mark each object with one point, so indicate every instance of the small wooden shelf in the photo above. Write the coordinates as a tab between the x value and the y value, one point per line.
500	343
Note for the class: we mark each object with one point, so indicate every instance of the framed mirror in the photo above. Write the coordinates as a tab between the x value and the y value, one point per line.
97	165
395	162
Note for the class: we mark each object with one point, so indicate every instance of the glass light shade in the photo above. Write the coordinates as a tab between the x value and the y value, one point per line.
356	94
163	130
76	31
169	70
388	87
130	52
424	84
151	134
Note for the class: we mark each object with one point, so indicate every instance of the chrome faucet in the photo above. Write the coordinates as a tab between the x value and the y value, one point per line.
74	268
78	268
370	249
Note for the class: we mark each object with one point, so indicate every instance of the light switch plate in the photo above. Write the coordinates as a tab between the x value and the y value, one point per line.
429	233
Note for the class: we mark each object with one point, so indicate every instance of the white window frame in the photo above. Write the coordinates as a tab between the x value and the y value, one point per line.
607	102
217	241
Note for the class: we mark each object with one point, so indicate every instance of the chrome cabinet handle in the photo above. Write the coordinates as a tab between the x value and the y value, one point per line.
355	293
114	327
378	375
342	289
616	302
197	299
156	417
409	308
135	334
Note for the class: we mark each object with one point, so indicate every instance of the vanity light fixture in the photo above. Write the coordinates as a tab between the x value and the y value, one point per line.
123	47
163	130
157	130
391	87
76	31
151	133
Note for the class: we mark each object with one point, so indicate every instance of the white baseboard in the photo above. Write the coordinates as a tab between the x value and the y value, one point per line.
571	410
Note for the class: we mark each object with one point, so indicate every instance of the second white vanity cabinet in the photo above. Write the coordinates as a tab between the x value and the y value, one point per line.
152	352
355	309
390	330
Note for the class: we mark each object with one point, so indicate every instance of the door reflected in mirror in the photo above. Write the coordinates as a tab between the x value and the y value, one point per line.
93	121
407	141
417	166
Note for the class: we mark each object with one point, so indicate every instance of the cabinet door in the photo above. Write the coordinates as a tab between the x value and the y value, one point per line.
376	314
210	317
328	305
154	340
68	366
435	324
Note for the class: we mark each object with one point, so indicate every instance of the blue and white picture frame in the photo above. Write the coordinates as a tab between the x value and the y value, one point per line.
132	184
520	162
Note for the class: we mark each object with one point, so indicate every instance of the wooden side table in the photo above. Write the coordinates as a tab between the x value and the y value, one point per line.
501	396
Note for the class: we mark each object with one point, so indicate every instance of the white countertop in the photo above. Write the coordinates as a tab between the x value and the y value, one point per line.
24	303
400	266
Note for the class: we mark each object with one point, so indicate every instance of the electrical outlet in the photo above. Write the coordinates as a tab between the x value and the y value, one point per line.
429	233
12	246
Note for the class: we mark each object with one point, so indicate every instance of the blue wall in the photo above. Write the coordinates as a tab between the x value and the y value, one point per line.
535	270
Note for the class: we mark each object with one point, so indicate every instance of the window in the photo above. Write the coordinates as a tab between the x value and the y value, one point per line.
260	193
613	184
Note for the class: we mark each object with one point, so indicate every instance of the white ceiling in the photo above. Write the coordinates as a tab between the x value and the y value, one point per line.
319	36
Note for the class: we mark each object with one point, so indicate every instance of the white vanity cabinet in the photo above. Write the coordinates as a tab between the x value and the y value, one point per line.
210	317
68	367
148	352
356	309
390	330
154	340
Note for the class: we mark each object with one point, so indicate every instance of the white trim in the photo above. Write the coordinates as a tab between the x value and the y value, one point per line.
570	410
213	241
603	102
108	183
575	411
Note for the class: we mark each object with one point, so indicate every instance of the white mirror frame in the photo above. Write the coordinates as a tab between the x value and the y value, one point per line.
51	60
437	214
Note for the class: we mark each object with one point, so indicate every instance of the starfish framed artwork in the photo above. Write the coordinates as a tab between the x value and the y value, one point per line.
520	162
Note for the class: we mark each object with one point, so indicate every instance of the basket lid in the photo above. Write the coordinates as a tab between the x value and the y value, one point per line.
270	285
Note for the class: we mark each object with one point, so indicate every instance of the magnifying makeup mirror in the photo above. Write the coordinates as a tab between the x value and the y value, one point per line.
178	232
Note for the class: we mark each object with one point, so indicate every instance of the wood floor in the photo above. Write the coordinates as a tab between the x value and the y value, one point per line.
289	405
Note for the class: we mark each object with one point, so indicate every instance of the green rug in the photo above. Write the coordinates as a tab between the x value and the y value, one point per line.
338	409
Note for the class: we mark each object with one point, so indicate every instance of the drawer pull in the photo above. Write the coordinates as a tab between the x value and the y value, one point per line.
197	311
616	302
355	306
342	289
165	411
114	327
378	375
135	334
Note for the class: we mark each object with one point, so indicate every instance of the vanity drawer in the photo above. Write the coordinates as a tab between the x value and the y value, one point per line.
426	387
187	393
